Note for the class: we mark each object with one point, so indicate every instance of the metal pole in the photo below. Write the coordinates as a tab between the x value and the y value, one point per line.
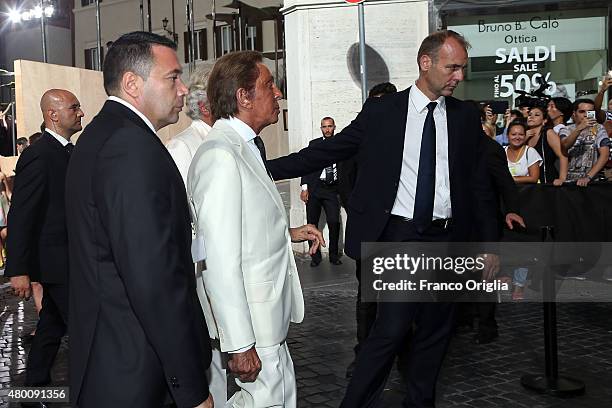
190	33
98	35
174	33
141	15
362	56
276	78
214	32
149	14
12	94
240	33
43	32
193	37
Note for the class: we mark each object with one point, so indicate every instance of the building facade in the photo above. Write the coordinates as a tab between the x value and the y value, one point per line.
238	25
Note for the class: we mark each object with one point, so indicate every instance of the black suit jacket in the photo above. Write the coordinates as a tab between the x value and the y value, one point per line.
347	175
137	331
314	179
501	179
37	245
376	136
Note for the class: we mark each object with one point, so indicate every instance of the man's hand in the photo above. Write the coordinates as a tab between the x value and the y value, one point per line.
507	116
209	403
605	84
583	182
491	267
304	196
308	232
558	182
246	365
490	117
512	218
21	286
586	123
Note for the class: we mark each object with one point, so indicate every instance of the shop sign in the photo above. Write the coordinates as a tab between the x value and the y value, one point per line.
527	42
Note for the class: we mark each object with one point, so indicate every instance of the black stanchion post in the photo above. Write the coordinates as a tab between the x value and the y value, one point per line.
551	383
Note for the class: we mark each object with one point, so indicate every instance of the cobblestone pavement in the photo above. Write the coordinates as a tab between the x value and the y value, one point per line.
473	376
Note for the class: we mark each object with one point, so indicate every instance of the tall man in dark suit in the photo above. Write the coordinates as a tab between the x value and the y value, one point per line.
320	190
422	177
37	245
138	337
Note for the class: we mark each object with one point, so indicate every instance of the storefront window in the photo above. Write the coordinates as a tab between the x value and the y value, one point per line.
510	52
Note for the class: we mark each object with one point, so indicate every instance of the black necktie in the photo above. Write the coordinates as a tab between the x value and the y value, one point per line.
262	151
69	147
426	179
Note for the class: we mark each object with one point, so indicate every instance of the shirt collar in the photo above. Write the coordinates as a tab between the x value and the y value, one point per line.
240	127
59	138
133	109
198	123
420	101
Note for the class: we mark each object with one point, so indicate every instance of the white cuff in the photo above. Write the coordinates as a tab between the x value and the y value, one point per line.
304	187
242	349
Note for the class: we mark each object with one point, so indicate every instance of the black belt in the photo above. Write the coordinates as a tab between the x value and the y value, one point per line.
444	223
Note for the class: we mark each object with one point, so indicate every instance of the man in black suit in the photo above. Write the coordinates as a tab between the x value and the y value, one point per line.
365	312
422	177
320	190
138	337
37	245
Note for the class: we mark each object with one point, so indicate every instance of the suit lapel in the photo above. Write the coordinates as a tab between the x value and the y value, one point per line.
54	144
397	132
253	164
453	121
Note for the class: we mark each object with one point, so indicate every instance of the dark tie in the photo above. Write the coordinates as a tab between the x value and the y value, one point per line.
262	151
426	179
69	147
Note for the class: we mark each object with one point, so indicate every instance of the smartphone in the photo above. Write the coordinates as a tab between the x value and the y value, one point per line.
590	114
498	107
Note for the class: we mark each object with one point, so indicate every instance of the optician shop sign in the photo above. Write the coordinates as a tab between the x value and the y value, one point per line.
527	42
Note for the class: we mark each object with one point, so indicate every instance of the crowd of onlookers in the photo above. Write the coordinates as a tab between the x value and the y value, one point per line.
555	140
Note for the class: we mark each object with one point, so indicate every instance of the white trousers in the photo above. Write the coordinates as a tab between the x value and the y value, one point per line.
275	385
217	379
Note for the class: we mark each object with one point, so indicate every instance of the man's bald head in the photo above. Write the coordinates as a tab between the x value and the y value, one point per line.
61	112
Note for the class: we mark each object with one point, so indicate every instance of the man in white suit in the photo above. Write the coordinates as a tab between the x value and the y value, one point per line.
183	146
252	286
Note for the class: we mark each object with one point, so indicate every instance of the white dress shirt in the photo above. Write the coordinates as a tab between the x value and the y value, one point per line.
59	138
133	109
406	192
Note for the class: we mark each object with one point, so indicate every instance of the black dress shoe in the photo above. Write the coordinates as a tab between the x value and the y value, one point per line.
335	262
314	263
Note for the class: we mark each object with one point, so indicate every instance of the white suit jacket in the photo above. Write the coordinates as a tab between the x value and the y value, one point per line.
252	288
183	146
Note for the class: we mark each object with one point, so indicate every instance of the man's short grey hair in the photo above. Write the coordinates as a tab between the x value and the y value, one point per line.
197	92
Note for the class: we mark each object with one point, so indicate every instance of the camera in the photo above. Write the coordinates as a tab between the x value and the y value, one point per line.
590	114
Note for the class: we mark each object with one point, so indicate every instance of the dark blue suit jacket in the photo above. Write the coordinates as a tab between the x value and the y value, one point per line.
376	137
